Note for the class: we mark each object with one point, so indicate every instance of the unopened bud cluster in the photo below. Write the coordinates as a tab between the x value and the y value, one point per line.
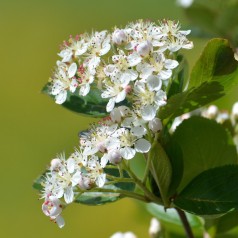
133	64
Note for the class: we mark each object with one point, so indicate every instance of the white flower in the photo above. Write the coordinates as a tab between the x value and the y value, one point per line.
130	143
123	235
155	125
211	112
155	228
144	48
234	113
185	3
52	207
119	36
66	55
118	113
159	65
99	45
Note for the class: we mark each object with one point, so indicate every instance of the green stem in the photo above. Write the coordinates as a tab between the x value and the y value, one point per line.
118	180
139	183
149	158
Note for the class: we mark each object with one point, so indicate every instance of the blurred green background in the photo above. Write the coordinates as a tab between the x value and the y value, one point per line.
34	129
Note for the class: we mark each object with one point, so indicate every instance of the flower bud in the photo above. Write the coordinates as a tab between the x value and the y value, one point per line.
144	48
155	228
211	112
119	37
55	164
155	125
115	157
84	183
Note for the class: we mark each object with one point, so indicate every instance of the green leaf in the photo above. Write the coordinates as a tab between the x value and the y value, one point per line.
161	171
37	184
100	198
204	144
217	63
212	77
214	191
180	76
171	221
176	158
191	99
91	105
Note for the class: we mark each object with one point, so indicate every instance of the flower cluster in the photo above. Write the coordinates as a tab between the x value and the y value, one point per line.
133	65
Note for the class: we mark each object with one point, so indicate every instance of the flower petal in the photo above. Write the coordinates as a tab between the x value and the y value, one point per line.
142	146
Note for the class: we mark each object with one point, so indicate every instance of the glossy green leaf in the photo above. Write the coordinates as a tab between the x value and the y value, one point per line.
171	221
100	198
91	105
161	171
205	144
214	191
191	99
216	63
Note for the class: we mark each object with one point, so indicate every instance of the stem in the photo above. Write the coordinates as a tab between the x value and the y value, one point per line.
185	223
117	180
146	191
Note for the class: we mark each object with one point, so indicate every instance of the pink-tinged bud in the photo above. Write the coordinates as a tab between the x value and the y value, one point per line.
101	147
85	183
144	48
128	89
55	164
119	37
115	157
155	125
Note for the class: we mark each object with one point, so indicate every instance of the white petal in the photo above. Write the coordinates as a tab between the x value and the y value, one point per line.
76	178
148	112
69	195
138	131
61	97
60	221
160	98
154	83
104	160
155	125
84	89
72	70
165	74
127	153
170	64
133	59
121	96
110	105
105	49
101	179
71	165
142	146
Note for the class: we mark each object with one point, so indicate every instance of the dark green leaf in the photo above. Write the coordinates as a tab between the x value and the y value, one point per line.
216	63
161	171
191	99
214	191
204	144
37	184
91	105
171	221
180	76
